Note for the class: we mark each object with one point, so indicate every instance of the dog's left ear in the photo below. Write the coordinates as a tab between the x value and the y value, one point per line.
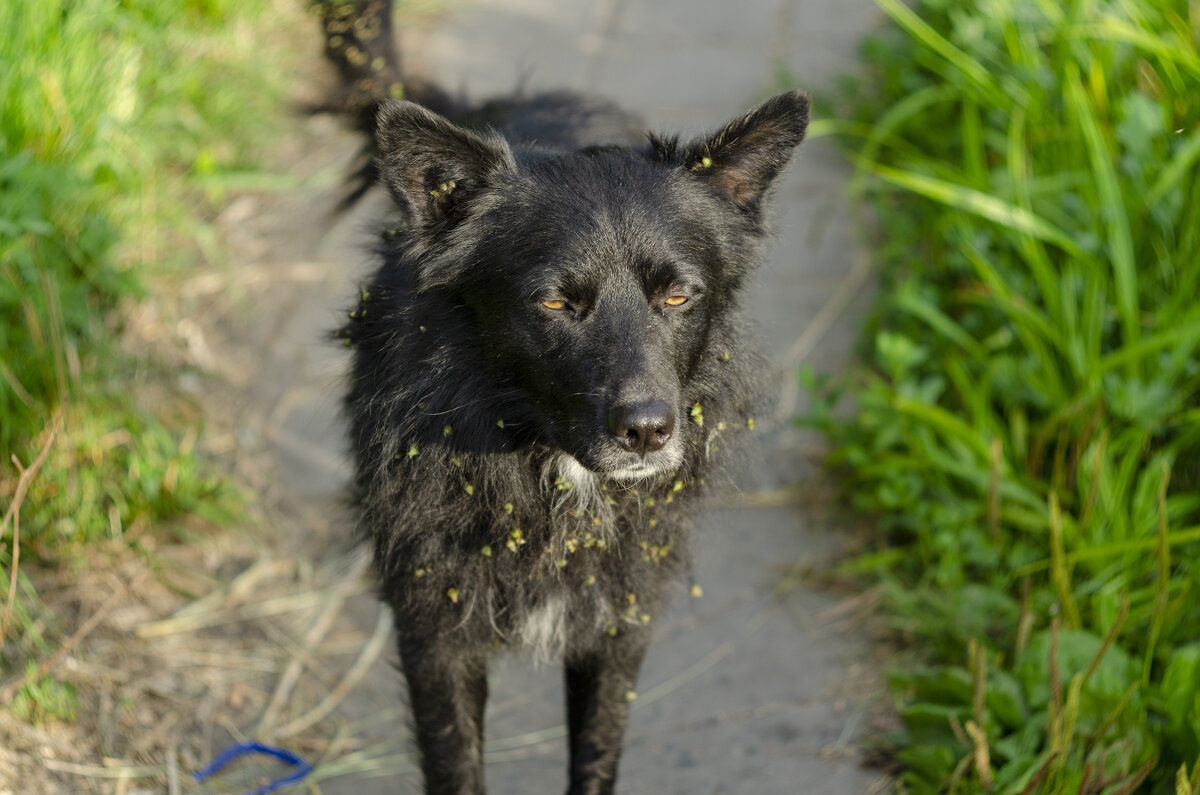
743	159
431	165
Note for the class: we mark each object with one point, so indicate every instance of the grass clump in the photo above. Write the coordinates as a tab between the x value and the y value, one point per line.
121	126
1027	429
120	123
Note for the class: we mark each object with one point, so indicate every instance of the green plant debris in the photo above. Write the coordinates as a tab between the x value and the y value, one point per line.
515	539
1027	427
44	700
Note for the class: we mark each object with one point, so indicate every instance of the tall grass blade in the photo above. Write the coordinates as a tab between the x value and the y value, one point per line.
971	201
1112	209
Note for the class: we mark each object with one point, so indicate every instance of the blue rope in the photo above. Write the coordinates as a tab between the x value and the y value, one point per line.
241	749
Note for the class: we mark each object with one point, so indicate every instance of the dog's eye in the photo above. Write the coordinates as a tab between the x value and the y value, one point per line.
677	300
555	304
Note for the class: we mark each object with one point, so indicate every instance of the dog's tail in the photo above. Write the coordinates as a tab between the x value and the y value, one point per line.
361	44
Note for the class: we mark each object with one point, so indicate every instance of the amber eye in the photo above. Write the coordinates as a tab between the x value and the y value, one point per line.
556	304
677	300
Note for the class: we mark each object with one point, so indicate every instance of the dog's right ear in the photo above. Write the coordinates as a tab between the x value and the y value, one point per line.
430	165
743	160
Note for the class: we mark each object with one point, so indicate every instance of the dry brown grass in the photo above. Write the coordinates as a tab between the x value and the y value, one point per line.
172	659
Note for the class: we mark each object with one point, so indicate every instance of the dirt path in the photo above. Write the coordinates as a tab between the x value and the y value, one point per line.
753	688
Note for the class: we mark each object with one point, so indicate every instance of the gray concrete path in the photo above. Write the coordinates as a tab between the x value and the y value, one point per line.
746	689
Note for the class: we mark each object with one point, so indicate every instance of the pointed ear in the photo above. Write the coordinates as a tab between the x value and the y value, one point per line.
743	159
430	165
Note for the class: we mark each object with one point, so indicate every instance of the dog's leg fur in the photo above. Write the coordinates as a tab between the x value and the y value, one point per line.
447	689
600	685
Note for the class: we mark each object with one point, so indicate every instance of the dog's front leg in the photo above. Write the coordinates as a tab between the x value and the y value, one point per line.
447	689
600	685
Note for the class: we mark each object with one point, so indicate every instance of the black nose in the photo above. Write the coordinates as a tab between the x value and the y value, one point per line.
642	427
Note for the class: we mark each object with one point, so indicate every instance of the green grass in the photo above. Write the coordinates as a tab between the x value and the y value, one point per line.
1027	427
122	125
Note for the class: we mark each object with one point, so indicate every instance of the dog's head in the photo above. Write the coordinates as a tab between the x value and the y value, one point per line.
594	280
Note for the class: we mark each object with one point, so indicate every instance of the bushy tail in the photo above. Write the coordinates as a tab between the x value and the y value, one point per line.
360	42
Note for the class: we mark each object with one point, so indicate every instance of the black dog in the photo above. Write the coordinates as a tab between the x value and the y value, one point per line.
541	367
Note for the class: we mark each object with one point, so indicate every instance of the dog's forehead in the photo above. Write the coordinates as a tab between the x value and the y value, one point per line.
614	205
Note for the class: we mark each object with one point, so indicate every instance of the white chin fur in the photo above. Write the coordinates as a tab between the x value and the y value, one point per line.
571	470
633	473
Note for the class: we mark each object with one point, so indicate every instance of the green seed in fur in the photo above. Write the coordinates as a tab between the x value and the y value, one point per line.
447	430
453	594
697	414
486	551
468	488
413	451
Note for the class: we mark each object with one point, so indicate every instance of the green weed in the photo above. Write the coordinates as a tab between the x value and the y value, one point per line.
122	125
113	141
44	700
1028	428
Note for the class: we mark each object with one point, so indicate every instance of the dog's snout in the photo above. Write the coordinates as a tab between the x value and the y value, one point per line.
642	427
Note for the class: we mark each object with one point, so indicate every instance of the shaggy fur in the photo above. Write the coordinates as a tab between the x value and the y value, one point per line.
548	364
